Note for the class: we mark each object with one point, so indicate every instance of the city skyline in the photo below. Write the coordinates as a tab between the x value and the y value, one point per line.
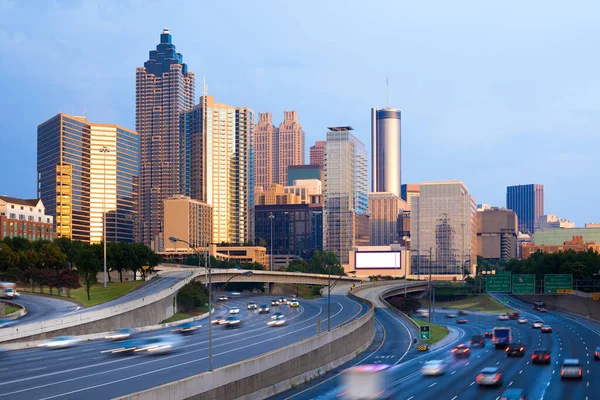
446	135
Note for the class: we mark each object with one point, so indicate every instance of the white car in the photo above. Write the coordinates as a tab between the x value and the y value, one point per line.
60	342
294	303
434	367
522	320
537	324
234	311
490	376
503	317
121	334
277	320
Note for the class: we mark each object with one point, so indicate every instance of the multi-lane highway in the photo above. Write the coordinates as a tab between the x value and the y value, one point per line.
571	339
84	372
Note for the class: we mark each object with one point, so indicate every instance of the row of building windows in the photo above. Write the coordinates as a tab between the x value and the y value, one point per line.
26	236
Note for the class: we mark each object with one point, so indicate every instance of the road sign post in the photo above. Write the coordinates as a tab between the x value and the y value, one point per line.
425	333
523	284
558	283
498	283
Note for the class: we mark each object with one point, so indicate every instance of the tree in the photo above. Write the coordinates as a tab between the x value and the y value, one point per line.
88	265
192	296
298	265
52	256
408	304
69	279
322	261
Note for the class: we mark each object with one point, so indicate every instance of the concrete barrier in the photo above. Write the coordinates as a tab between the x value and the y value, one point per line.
140	312
575	304
17	314
275	371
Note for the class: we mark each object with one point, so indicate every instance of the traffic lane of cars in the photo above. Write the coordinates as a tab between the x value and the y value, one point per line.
141	372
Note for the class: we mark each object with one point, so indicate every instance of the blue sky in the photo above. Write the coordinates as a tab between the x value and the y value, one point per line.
491	93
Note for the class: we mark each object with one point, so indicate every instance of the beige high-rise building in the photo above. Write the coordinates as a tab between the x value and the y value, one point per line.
408	191
276	148
497	230
188	220
275	195
384	208
317	153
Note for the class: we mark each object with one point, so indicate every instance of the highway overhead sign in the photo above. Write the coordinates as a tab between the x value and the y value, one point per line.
558	283
498	282
523	284
425	333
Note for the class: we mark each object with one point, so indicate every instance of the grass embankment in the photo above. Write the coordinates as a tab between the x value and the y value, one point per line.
182	315
98	294
10	309
303	291
437	332
482	302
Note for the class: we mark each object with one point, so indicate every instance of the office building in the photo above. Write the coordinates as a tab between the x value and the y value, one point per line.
87	170
386	150
556	237
576	243
443	222
298	172
275	195
306	189
345	193
497	231
384	209
221	166
25	218
592	225
408	191
164	88
528	202
317	153
277	148
186	219
404	228
552	222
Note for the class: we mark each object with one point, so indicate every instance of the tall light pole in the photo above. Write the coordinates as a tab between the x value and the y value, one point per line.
210	363
430	286
329	286
271	217
104	150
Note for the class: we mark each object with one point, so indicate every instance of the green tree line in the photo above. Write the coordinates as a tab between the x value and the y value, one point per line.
583	265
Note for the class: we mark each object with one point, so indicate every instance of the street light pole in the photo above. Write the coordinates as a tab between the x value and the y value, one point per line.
430	286
104	150
329	299
271	217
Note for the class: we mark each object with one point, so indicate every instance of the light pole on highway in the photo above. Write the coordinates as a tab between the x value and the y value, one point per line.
104	150
210	363
329	286
246	273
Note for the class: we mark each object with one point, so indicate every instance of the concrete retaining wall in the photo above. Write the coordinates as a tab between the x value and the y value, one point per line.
148	310
585	307
17	314
276	371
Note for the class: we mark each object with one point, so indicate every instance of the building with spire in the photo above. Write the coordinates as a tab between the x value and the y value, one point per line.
164	89
386	150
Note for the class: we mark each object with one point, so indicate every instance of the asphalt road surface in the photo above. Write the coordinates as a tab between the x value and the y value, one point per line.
84	372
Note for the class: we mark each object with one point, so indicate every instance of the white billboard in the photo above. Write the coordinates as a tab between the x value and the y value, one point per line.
378	260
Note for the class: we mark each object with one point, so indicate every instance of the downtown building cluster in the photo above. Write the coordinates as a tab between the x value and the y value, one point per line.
225	179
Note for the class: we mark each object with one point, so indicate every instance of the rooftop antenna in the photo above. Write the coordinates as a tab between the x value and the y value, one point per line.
387	93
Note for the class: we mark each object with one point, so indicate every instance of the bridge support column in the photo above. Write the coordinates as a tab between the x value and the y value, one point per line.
269	287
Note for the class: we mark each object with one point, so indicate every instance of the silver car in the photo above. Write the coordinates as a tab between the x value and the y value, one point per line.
572	369
433	368
489	376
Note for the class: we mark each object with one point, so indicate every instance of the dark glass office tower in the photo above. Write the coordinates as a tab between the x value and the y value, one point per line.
528	202
164	88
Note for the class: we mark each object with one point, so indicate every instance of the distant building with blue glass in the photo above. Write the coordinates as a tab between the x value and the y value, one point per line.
527	201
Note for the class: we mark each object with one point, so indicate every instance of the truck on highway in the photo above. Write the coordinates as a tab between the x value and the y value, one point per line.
366	381
8	290
501	337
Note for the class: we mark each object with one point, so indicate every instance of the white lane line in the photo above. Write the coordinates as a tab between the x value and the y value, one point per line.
467	364
411	397
36	369
521	371
478	356
452	373
472	383
553	371
527	362
588	384
33	359
433	384
454	398
498	363
407	330
65	358
510	383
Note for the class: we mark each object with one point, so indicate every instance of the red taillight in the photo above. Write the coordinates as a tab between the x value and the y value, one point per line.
580	371
533	357
546	357
506	349
562	372
454	350
497	377
478	377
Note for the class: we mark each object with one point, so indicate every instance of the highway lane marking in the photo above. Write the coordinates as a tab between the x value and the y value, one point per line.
478	356
453	372
527	362
407	330
588	384
521	371
411	397
36	369
454	398
466	364
433	384
472	383
65	358
510	384
34	359
498	363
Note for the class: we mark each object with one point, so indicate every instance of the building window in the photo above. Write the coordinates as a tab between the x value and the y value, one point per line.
12	206
13	216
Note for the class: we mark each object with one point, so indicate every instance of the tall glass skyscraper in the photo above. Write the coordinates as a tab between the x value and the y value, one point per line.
528	202
164	89
86	169
221	166
443	220
386	150
345	193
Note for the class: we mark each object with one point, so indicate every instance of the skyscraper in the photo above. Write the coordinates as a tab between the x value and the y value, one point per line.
443	220
345	193
86	169
164	88
497	231
528	202
386	150
408	191
277	148
221	166
384	209
317	153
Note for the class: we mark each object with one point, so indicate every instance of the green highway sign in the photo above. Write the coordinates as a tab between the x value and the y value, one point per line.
523	284
558	283
498	283
425	333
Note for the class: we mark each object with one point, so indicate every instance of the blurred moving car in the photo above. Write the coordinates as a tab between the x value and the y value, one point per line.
541	356
294	303
121	334
252	305
538	305
159	344
571	369
282	300
263	309
489	376
487	334
450	315
235	293
233	322
515	350
60	342
503	317
187	328
125	347
537	324
234	310
463	312
223	297
461	351
522	320
514	315
597	353
220	320
513	394
433	368
278	319
274	302
477	341
461	321
543	309
366	381
546	329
